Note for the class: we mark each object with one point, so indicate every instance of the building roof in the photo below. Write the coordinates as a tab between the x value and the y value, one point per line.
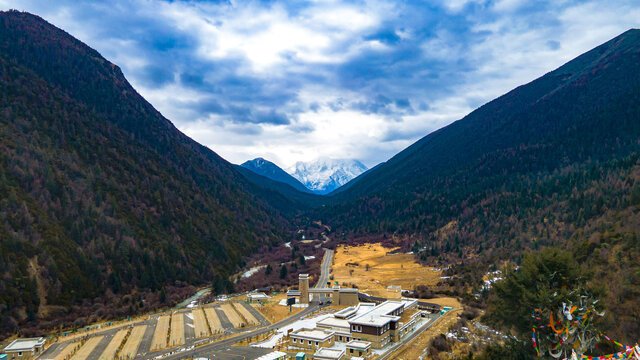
272	356
259	295
27	344
379	315
348	290
359	344
315	334
324	353
333	322
361	308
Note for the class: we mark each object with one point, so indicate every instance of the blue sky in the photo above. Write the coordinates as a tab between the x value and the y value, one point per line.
295	81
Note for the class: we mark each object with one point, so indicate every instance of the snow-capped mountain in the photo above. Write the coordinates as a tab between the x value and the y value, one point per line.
325	175
270	170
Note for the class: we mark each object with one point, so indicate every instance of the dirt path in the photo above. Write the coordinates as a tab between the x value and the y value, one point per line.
213	319
67	351
130	348
177	330
251	320
201	328
160	335
232	315
87	348
111	349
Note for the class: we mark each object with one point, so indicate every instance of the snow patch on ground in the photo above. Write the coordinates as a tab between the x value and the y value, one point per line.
249	273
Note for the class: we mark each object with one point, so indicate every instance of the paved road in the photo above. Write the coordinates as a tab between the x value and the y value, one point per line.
263	321
217	349
325	269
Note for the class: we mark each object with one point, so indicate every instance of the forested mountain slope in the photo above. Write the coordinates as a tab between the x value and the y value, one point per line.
580	115
555	162
99	193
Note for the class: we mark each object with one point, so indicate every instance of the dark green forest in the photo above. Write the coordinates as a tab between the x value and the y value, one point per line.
553	163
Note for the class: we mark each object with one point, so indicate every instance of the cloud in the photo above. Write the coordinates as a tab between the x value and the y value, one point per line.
294	81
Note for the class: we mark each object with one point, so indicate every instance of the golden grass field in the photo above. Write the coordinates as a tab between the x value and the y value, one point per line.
213	319
251	320
384	270
87	348
273	311
160	334
67	351
177	330
200	323
111	349
232	315
130	348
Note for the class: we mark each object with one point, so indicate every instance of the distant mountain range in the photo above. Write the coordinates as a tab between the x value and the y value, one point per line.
272	171
324	175
321	177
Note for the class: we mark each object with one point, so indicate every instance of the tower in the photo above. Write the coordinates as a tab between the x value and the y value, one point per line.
304	288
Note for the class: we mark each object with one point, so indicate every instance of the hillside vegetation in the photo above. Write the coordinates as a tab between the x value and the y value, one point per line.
555	162
100	194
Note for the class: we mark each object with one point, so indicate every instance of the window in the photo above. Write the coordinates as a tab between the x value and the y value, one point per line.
20	353
309	342
316	344
350	351
295	340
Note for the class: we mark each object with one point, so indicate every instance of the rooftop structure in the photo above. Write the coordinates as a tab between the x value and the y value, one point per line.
315	335
358	344
29	344
258	296
329	354
24	349
381	314
276	355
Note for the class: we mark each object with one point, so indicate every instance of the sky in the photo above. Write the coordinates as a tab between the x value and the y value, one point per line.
300	80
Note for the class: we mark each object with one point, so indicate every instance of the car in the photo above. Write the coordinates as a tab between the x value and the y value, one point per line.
320	303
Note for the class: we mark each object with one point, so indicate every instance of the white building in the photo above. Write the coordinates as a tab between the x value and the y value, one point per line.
24	349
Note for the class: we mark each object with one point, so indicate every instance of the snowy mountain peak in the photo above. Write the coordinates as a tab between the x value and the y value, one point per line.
325	175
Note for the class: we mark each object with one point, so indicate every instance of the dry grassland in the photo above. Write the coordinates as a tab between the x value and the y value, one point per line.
67	351
232	315
160	334
350	266
87	348
177	330
130	348
251	320
111	349
200	323
213	319
273	311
